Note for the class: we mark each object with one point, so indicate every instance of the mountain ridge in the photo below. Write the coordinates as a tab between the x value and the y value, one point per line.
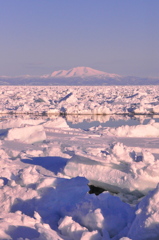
79	76
80	72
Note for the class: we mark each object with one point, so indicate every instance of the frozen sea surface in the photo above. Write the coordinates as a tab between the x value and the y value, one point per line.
51	152
80	100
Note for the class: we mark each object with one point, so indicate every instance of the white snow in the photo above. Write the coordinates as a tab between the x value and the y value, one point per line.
47	166
145	224
148	130
56	100
81	72
27	134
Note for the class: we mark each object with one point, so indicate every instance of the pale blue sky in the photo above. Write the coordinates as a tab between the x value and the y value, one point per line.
116	36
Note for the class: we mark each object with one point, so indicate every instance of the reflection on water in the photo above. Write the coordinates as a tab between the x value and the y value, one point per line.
88	121
111	123
55	128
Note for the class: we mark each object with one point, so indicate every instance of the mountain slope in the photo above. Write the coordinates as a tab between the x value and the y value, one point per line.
81	72
79	76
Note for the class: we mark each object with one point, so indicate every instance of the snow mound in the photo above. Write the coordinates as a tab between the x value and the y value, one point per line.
104	214
27	134
75	231
121	170
56	123
16	123
146	223
149	130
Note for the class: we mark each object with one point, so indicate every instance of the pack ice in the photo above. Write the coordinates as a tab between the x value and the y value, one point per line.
79	100
48	169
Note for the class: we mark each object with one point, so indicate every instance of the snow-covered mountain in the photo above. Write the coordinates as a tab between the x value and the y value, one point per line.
79	76
82	72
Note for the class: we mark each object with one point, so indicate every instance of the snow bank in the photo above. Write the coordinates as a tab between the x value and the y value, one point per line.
149	130
122	169
56	123
104	213
146	223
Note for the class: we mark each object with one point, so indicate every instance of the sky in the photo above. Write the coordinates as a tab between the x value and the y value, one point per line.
116	36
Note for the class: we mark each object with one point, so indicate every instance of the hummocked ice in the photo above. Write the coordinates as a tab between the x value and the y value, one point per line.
79	163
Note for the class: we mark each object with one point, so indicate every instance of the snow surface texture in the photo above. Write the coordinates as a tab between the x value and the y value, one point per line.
80	100
47	166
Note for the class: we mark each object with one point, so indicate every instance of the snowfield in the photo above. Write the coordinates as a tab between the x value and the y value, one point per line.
49	169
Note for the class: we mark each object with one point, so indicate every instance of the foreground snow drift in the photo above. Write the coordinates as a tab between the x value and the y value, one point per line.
146	225
120	170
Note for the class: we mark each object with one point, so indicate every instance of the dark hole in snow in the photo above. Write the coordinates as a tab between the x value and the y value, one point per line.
22	232
95	190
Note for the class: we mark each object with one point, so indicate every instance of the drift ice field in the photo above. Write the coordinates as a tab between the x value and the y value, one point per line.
52	170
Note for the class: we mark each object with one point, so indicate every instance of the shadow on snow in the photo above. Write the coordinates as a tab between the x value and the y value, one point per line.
53	164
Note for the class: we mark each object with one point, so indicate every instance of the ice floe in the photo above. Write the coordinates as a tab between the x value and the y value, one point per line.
47	166
80	100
